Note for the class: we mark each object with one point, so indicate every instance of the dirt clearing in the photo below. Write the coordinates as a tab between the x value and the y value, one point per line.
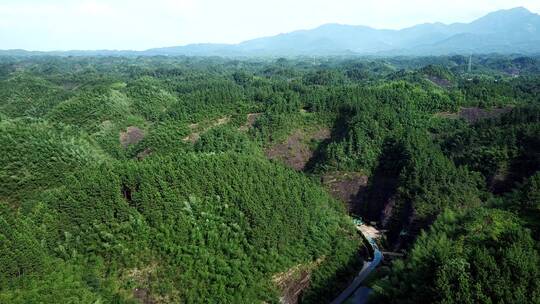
197	129
441	82
294	281
296	151
250	121
132	136
370	231
475	114
346	186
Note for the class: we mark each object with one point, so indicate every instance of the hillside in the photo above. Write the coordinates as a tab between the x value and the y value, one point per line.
209	180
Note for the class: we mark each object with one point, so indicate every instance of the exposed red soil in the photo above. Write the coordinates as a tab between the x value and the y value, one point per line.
295	151
440	81
251	118
132	136
346	186
294	281
143	295
475	114
141	278
293	286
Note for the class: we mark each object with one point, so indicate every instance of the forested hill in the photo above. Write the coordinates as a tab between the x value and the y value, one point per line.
207	180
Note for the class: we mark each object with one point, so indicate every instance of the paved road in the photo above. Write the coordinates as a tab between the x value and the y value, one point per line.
360	296
368	267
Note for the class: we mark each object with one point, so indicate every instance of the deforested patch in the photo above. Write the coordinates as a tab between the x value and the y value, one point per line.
131	136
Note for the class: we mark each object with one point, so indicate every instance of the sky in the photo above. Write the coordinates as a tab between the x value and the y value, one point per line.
47	25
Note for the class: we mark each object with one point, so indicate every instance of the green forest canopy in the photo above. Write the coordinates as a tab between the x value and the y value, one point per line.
126	180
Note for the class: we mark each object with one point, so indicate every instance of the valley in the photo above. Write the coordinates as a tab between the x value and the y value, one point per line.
218	180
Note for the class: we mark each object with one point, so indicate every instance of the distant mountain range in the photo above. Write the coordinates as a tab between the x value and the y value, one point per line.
515	30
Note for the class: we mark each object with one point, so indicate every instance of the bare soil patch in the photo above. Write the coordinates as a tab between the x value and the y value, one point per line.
251	118
444	83
346	186
132	136
370	231
293	282
475	114
197	130
295	152
221	121
141	278
143	295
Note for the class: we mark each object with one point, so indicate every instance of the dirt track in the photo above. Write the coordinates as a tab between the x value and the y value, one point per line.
197	131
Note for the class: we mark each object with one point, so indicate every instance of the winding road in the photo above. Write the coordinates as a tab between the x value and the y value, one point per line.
360	295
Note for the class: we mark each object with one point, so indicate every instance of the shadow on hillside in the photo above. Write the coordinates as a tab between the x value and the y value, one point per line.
377	200
337	133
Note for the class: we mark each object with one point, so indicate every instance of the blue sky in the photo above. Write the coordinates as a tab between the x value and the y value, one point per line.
139	25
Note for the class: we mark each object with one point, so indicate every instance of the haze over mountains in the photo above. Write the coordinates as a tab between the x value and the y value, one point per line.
506	31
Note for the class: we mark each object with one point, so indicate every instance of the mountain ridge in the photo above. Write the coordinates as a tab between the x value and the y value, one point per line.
515	30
